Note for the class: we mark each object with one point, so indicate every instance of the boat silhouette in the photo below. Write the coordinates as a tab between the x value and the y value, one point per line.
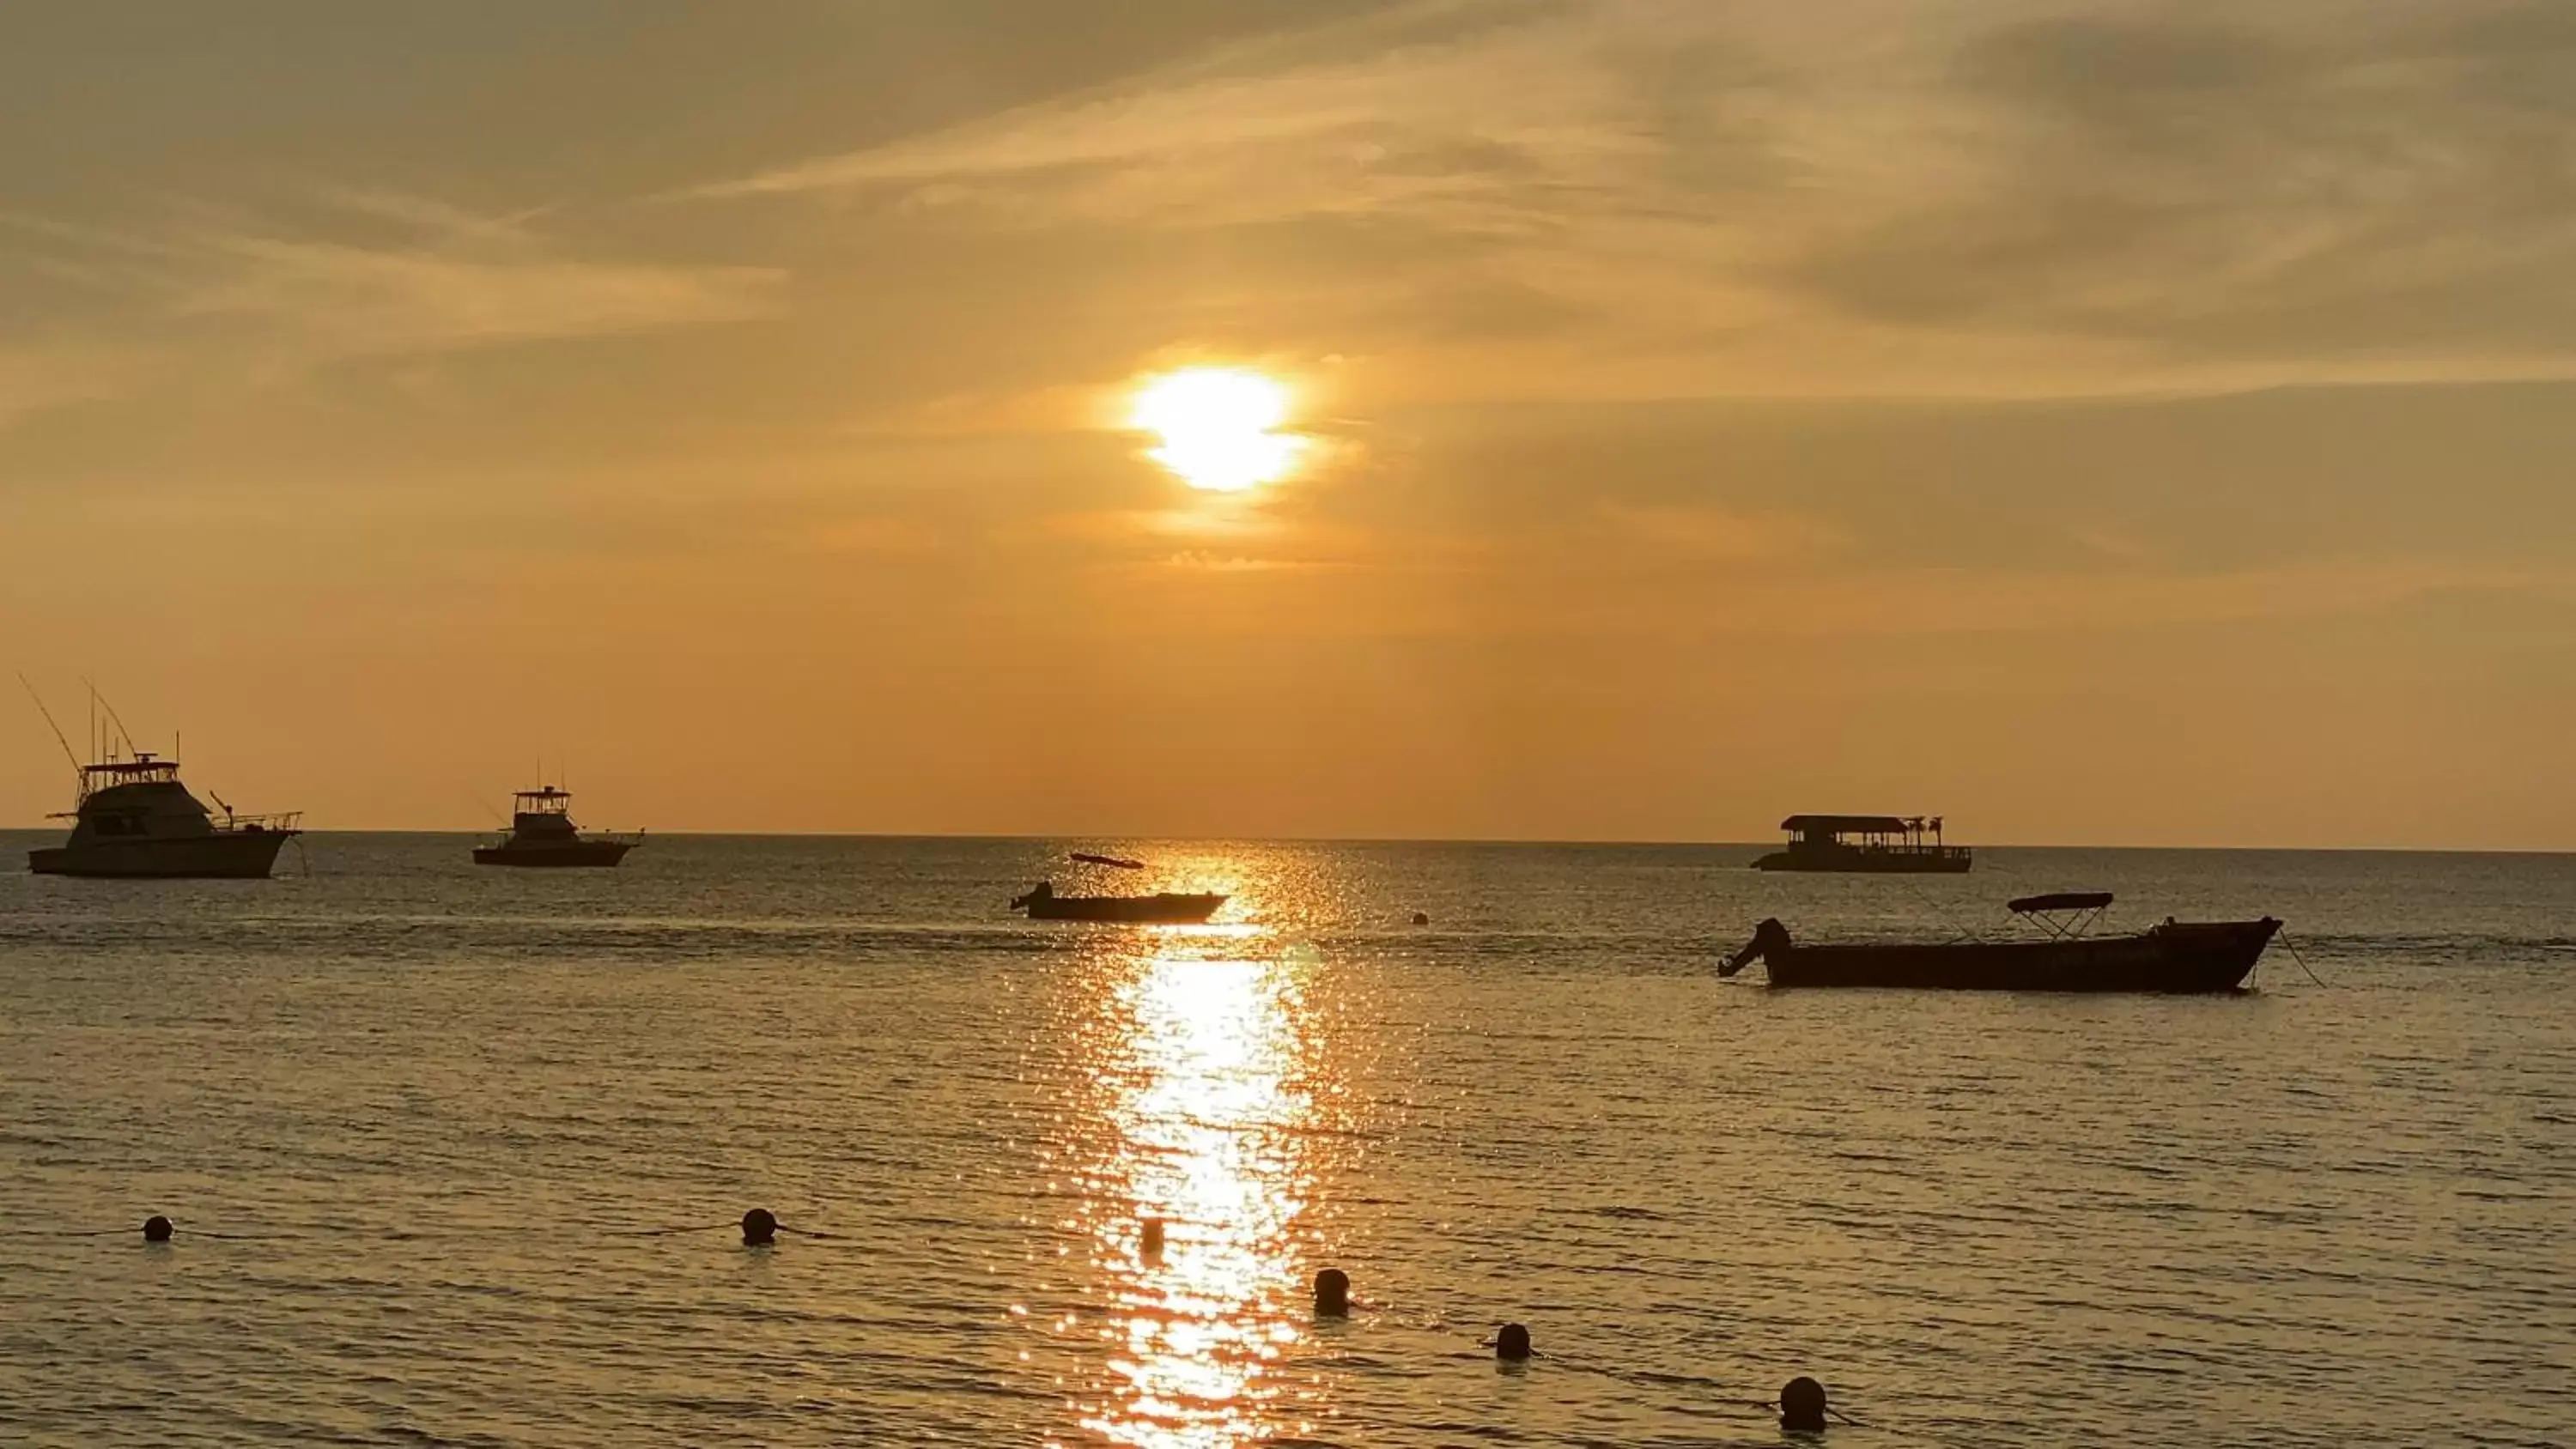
542	834
2177	956
132	818
1871	844
1164	908
136	821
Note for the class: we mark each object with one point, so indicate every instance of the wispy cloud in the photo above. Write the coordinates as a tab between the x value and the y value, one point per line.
35	375
349	299
343	274
2025	198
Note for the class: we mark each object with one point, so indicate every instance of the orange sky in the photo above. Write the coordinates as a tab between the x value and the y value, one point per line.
2096	423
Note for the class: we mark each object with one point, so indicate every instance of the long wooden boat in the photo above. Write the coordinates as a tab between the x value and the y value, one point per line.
2177	956
1165	908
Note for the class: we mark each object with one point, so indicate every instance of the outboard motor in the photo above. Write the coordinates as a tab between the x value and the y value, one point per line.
1767	937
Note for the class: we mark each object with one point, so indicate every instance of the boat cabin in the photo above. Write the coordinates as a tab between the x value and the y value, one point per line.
541	812
137	799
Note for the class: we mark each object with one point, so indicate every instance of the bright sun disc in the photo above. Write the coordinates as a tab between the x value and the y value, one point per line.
1219	427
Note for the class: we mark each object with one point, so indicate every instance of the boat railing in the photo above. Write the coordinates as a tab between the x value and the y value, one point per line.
1882	846
280	822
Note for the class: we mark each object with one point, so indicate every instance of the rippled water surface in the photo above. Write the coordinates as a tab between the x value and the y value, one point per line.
454	1154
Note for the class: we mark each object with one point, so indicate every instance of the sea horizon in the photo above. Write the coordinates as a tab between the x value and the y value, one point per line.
1080	837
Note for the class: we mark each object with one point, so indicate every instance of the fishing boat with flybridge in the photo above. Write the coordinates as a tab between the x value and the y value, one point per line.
132	819
542	834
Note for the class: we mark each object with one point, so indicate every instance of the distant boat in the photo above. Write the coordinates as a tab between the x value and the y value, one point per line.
1043	904
136	821
542	834
2178	956
1901	844
1112	860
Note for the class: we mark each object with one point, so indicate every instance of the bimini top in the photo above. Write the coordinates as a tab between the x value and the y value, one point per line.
2062	901
1850	824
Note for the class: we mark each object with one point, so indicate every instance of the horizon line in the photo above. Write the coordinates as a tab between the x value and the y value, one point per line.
1597	842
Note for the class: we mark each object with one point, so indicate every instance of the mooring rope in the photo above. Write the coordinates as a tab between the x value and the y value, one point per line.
2302	960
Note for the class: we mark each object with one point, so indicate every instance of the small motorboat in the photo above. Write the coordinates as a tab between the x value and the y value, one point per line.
1165	908
2177	956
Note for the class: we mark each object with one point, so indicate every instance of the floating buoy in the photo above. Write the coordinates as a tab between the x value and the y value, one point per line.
1333	1293
1422	918
759	1228
156	1229
1511	1344
1150	1241
1802	1406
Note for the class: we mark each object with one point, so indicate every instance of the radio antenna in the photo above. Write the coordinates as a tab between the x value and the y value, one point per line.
49	724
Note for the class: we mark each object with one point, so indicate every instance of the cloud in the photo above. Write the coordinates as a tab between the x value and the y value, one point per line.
38	375
1997	198
347	299
343	274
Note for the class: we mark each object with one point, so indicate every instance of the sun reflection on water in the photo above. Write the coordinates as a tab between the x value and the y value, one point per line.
1208	1108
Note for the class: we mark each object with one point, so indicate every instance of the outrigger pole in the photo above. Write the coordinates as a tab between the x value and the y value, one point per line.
57	729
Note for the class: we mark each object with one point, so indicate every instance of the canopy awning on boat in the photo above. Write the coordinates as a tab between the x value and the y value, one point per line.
2062	901
1850	824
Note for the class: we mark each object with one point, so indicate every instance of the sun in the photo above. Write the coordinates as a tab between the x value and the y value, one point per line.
1219	427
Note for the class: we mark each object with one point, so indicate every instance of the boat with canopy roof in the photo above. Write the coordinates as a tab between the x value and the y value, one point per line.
1874	844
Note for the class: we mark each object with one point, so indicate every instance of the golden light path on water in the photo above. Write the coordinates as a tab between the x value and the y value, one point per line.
1208	1114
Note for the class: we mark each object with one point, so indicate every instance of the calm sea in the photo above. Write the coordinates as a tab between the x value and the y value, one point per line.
442	1117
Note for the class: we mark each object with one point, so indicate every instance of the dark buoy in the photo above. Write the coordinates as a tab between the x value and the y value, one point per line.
156	1229
759	1229
1333	1293
1802	1406
1422	918
1511	1344
1150	1241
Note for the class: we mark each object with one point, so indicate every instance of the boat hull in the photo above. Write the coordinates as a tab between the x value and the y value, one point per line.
1953	860
2171	958
236	855
1165	910
579	854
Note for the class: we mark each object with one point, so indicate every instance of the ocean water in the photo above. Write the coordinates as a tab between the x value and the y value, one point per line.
453	1155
